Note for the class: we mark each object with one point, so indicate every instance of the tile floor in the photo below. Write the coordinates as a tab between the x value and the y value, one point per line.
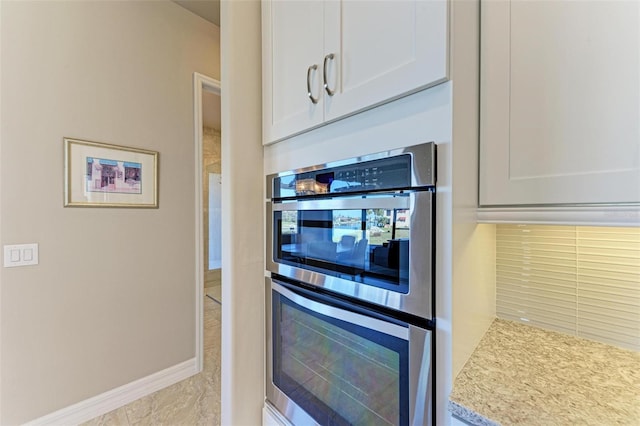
193	401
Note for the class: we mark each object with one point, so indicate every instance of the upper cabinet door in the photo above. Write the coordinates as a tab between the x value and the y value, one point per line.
560	102
382	50
293	46
351	54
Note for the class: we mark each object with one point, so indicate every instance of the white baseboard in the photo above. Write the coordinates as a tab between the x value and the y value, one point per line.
101	404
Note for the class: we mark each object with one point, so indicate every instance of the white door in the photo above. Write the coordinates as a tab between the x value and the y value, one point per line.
560	102
292	45
382	49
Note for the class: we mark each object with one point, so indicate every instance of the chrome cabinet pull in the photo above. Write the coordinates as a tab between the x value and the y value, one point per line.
312	67
330	56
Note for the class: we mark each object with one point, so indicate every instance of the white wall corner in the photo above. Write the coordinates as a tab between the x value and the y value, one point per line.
243	321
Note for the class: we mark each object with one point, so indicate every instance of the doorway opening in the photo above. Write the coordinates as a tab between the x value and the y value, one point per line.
212	195
208	176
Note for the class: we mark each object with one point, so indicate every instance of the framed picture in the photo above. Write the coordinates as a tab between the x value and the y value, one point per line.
102	175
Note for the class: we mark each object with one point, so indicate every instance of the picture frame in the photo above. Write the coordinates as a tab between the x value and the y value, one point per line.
104	175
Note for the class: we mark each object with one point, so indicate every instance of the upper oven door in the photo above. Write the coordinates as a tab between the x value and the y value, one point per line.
377	248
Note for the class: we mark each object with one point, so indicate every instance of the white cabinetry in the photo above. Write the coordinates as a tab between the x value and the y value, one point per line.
348	56
293	43
560	102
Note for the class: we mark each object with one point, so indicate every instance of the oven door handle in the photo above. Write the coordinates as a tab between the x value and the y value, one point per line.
394	202
341	314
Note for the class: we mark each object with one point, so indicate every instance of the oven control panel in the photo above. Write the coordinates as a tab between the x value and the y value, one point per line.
412	167
376	175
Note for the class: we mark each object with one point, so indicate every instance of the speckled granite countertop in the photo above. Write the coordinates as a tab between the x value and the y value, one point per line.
522	375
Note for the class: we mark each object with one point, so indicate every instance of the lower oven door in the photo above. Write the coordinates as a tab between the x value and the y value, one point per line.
328	364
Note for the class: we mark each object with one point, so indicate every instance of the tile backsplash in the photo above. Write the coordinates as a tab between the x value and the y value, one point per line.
579	280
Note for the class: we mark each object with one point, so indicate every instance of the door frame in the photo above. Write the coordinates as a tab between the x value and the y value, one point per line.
201	83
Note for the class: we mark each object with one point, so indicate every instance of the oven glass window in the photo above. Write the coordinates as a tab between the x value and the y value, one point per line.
338	372
370	246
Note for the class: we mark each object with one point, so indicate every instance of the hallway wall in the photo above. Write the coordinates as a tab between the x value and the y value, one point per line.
112	300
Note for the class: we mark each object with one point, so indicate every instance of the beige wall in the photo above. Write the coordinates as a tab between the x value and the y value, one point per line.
112	299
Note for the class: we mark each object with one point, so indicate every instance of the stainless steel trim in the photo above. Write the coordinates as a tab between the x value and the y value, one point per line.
281	420
324	74
275	396
420	376
418	301
311	67
346	203
423	165
343	315
269	187
268	333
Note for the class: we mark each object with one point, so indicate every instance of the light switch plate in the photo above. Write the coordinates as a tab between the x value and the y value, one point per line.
20	255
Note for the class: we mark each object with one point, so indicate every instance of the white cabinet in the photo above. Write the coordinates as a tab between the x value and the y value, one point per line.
293	42
560	102
348	56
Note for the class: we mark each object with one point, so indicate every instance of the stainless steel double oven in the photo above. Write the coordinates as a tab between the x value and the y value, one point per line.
350	303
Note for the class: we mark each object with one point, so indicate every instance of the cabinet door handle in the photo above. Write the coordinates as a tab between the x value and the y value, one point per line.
312	67
330	56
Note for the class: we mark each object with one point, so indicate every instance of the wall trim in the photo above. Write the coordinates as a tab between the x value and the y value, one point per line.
108	401
201	83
